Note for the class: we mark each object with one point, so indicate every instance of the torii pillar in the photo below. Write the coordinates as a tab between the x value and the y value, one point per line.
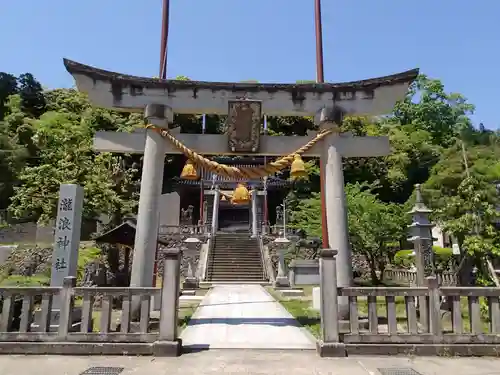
335	202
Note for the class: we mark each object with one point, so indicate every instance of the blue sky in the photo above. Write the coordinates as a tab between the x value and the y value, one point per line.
266	40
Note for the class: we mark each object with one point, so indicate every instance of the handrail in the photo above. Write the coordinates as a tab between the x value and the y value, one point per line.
266	261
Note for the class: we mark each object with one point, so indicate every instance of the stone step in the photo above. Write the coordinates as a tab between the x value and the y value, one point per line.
234	261
230	262
234	272
235	256
229	250
235	277
233	246
243	254
235	269
233	253
236	245
237	239
236	282
207	284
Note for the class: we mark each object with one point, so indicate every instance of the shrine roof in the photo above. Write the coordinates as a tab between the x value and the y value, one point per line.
74	67
123	234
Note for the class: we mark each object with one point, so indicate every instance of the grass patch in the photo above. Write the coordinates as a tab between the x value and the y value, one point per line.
23	281
303	313
301	310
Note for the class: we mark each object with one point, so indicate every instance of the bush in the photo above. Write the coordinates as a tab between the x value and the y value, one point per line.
403	258
87	255
23	281
442	255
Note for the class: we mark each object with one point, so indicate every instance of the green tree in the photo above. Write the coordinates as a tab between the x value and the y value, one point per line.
373	225
429	107
463	191
63	137
8	87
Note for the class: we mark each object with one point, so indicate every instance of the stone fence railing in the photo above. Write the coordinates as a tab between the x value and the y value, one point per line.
71	328
382	320
409	277
169	230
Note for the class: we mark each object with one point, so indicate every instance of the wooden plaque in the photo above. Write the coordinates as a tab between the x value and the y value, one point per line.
243	125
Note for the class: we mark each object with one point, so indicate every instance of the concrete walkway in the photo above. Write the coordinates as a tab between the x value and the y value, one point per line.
244	317
248	362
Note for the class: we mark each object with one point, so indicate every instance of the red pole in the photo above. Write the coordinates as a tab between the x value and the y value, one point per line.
320	78
164	39
319	42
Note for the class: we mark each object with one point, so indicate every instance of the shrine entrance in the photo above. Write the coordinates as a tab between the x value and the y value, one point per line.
234	219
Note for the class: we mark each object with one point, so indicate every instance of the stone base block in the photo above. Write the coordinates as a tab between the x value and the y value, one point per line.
190	284
331	349
76	348
167	348
444	350
316	305
291	292
282	282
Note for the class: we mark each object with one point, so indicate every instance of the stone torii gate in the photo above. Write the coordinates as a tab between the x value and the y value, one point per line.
160	99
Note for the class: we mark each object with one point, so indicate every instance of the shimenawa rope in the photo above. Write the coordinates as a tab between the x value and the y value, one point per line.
240	172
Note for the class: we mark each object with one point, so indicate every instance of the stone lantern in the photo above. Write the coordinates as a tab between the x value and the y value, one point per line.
191	246
281	244
420	231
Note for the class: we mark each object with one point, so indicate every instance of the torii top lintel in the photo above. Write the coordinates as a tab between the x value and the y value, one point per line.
107	89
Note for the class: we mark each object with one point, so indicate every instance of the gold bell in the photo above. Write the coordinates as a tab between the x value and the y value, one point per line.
298	169
240	195
189	171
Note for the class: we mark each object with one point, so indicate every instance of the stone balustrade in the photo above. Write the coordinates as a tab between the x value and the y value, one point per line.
409	277
183	230
22	334
407	320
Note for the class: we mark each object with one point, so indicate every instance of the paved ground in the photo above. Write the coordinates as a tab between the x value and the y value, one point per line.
244	317
249	362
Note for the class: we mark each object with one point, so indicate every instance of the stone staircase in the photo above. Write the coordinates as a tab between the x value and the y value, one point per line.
235	258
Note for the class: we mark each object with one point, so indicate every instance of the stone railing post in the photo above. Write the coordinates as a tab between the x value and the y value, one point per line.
434	306
215	211
66	300
254	213
329	344
168	344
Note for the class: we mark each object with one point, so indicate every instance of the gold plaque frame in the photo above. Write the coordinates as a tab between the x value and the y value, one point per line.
243	125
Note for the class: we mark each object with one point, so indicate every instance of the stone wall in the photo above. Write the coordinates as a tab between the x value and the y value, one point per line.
35	233
26	233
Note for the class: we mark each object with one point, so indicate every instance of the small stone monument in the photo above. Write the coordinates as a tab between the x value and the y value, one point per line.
191	251
66	243
282	244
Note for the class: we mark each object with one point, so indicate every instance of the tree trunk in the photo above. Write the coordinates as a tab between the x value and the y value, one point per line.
373	269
